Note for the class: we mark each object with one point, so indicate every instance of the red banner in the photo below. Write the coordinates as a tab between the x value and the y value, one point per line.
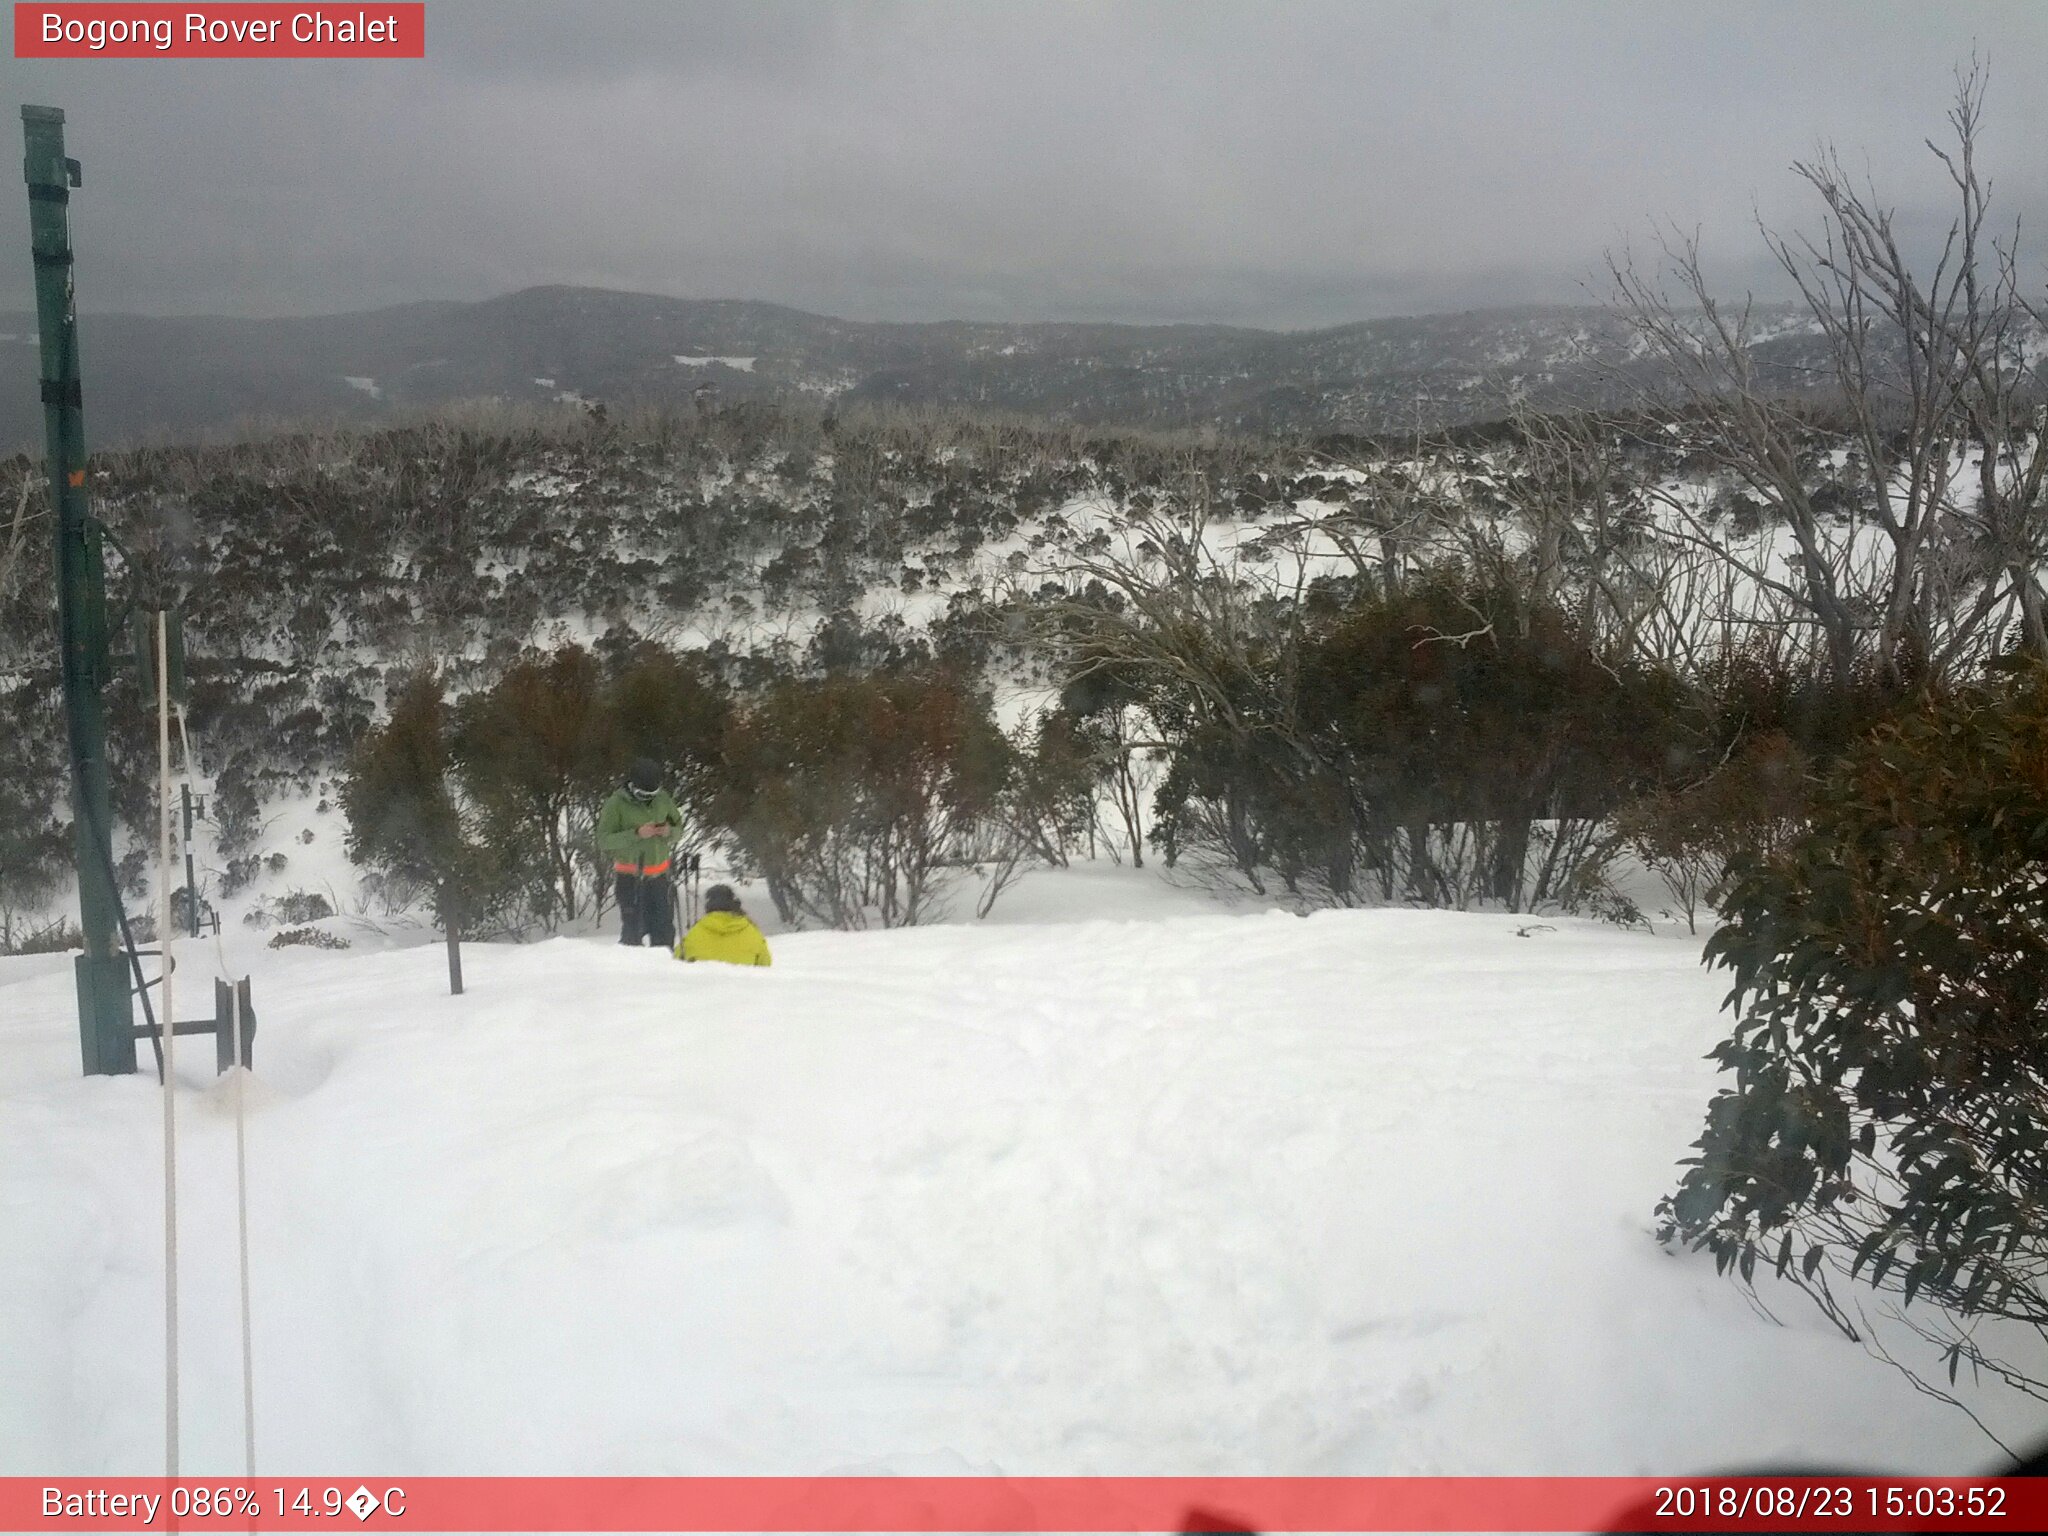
115	31
1052	1504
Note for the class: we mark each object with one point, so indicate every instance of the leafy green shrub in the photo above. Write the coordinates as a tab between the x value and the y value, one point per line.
1888	1119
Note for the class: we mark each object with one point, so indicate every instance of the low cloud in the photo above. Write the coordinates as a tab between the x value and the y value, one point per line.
1260	164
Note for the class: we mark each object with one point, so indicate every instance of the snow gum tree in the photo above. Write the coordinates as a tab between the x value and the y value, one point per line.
408	816
1924	552
538	749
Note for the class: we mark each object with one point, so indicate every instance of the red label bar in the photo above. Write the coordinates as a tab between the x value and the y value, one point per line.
71	30
1051	1504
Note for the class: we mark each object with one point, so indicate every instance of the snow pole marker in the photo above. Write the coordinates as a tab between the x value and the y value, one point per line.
238	989
242	1234
170	1036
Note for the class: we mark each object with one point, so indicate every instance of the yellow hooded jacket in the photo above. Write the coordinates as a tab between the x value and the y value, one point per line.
728	936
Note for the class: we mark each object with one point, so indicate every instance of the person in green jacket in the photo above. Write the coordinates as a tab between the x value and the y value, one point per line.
725	932
637	831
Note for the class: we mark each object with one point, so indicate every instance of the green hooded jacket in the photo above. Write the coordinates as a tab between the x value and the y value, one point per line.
618	838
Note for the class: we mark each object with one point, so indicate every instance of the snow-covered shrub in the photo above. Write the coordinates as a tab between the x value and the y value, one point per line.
1887	1119
294	908
307	938
303	907
240	871
48	938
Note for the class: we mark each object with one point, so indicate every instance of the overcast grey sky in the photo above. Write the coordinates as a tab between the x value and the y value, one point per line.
1263	162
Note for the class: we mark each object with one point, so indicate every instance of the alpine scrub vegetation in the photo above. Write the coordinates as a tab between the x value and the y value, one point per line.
1887	1124
860	798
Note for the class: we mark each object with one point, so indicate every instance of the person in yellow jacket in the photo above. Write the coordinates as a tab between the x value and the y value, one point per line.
724	932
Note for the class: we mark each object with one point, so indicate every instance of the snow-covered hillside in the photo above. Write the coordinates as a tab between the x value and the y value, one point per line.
1178	1190
192	377
771	543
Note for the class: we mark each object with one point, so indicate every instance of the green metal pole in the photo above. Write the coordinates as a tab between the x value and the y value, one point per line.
105	1020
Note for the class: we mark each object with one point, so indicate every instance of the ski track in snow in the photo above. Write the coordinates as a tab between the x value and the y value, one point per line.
1367	1192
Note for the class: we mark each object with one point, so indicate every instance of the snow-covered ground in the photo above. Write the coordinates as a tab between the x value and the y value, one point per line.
1172	1190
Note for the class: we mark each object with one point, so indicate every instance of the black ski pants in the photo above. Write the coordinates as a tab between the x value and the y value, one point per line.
644	910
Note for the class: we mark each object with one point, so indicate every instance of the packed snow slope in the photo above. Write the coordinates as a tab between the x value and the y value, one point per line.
1365	1192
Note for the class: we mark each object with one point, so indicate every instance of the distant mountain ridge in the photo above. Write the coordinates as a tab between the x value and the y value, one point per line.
183	377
